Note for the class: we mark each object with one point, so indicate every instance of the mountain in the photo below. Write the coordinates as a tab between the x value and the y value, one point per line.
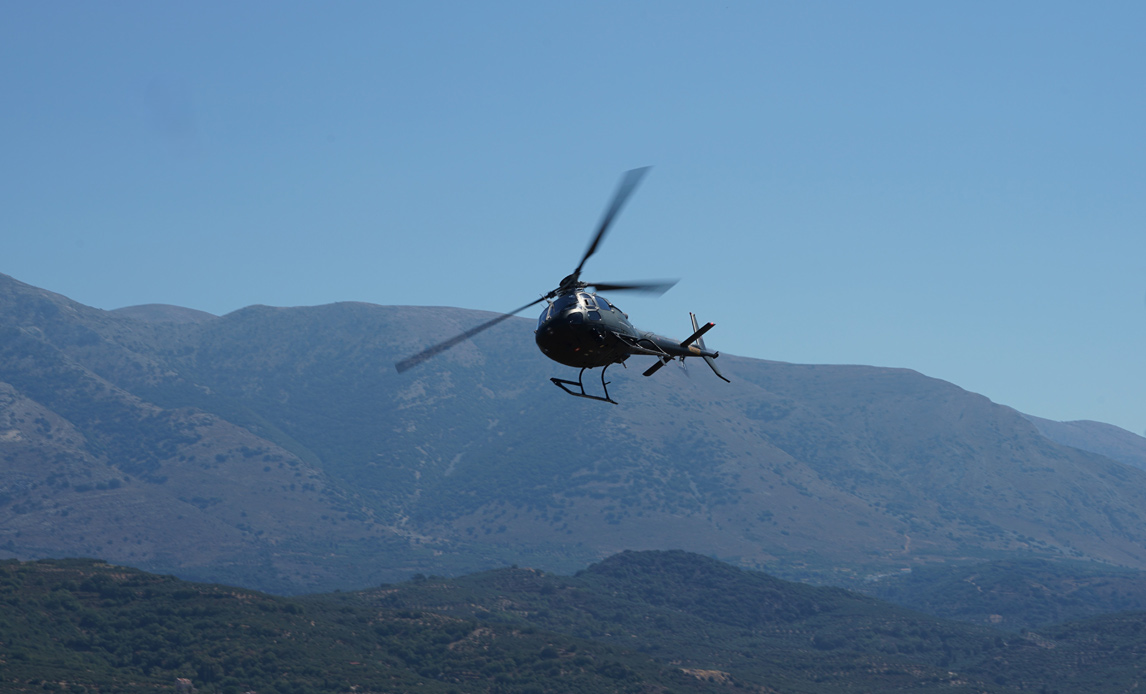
164	313
91	468
1104	439
278	448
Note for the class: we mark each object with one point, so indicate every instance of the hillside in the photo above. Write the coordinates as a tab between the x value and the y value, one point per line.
703	615
164	313
1015	594
79	625
277	448
647	622
706	615
1097	437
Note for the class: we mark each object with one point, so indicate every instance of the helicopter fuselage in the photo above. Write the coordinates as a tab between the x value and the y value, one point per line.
585	330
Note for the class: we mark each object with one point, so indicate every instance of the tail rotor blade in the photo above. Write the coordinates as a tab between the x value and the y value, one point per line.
411	362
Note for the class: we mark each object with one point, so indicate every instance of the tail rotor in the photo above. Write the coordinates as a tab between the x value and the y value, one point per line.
699	335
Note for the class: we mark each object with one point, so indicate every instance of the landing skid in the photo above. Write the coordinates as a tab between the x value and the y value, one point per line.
564	385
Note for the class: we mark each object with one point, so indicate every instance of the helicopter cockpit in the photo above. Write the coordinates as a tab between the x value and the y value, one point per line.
580	307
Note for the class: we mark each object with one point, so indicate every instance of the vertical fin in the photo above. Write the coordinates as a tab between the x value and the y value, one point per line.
700	343
696	329
712	365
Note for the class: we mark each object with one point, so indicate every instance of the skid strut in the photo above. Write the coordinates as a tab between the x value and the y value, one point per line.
564	385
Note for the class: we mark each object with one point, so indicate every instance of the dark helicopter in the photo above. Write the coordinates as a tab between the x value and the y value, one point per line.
583	329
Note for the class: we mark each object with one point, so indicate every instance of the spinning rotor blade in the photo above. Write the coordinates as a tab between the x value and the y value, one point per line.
624	190
657	288
411	362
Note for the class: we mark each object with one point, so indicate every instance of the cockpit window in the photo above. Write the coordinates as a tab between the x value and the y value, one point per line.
545	315
562	303
594	315
589	302
604	303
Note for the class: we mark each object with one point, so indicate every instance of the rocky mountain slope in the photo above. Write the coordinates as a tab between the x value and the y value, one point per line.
278	448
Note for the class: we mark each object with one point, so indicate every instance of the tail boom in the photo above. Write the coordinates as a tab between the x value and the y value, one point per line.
667	350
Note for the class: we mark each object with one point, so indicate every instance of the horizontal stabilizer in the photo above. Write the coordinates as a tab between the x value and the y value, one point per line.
697	335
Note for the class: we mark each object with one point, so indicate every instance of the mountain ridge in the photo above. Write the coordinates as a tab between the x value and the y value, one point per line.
164	313
824	473
1105	439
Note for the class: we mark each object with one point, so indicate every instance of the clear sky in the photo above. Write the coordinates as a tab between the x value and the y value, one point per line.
957	188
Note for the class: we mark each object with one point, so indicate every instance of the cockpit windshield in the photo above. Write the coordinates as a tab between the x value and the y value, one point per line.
562	303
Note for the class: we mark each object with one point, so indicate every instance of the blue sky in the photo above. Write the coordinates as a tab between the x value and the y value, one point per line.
956	188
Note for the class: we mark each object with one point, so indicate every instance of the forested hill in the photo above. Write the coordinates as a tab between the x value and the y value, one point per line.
1015	594
79	625
637	622
277	448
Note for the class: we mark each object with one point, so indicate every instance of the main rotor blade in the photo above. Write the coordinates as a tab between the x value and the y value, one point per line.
657	288
437	349
624	190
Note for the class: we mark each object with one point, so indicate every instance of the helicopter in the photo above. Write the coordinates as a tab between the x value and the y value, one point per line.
582	329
